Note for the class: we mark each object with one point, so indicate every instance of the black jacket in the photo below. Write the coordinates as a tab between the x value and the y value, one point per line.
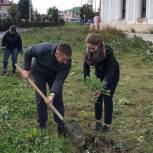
107	69
46	64
12	41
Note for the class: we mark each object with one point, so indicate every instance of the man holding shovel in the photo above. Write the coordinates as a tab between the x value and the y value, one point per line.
51	64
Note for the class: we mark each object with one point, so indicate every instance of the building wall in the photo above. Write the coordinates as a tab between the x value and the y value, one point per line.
4	5
105	10
149	13
119	9
111	11
130	9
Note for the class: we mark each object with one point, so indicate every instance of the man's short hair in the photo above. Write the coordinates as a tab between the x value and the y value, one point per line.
65	49
12	28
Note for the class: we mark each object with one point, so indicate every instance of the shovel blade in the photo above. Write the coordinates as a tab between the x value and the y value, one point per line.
76	133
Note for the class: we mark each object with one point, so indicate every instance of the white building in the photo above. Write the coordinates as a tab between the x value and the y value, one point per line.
128	11
90	2
4	5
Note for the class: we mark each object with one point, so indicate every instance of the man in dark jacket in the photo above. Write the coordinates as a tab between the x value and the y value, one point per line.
11	45
51	64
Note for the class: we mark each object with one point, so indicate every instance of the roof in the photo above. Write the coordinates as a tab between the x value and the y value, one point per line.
5	3
75	10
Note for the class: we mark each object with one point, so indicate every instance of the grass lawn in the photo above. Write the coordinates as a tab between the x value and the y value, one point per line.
132	130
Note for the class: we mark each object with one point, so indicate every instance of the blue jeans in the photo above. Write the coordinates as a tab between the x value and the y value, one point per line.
6	55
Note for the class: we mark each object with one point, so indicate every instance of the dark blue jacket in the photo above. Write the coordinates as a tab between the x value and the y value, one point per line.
12	41
45	63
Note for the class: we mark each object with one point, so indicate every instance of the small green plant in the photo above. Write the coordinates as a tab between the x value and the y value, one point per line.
132	30
94	84
4	113
151	31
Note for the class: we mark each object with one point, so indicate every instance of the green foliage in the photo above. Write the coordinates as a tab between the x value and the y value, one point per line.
14	12
53	14
151	31
24	9
5	24
4	113
94	83
119	41
133	106
86	12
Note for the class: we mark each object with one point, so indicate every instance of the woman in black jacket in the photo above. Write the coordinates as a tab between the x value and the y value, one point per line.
101	56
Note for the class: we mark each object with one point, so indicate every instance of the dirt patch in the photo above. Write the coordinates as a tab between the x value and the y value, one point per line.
99	144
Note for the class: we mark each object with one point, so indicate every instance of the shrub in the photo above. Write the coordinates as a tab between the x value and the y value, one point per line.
5	24
94	83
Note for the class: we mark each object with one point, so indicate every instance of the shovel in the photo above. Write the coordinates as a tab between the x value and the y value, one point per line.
73	128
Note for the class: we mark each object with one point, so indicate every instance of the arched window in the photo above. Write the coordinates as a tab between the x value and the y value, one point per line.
123	9
143	12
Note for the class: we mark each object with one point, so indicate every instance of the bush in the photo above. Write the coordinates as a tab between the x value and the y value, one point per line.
111	33
119	41
5	24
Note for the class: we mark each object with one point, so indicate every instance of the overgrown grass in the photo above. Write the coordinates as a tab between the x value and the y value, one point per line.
133	103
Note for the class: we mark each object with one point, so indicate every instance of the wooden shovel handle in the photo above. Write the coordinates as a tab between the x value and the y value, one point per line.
42	95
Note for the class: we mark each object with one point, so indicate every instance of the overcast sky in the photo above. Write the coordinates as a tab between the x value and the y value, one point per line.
43	5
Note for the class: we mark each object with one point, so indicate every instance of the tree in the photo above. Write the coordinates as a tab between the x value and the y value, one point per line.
53	14
86	12
25	7
14	12
37	16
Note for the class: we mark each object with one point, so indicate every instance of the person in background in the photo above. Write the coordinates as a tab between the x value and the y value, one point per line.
101	56
11	45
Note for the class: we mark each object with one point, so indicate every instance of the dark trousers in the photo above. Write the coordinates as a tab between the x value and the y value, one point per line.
108	104
41	80
6	55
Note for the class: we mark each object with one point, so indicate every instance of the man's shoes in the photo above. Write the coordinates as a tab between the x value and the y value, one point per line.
14	71
61	131
42	126
98	127
106	129
102	129
4	73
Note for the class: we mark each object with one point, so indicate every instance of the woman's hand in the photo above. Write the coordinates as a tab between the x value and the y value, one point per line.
97	93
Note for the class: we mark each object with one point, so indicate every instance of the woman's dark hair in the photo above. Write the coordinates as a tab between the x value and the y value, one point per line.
95	39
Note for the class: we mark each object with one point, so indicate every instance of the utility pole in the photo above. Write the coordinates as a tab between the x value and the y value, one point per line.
100	8
95	5
30	10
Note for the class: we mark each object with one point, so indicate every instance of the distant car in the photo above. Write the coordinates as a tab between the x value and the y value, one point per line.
74	20
90	21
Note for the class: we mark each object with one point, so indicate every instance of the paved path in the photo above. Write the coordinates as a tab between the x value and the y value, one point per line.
145	36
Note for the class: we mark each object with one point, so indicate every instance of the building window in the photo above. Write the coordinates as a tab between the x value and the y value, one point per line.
143	13
123	9
4	16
